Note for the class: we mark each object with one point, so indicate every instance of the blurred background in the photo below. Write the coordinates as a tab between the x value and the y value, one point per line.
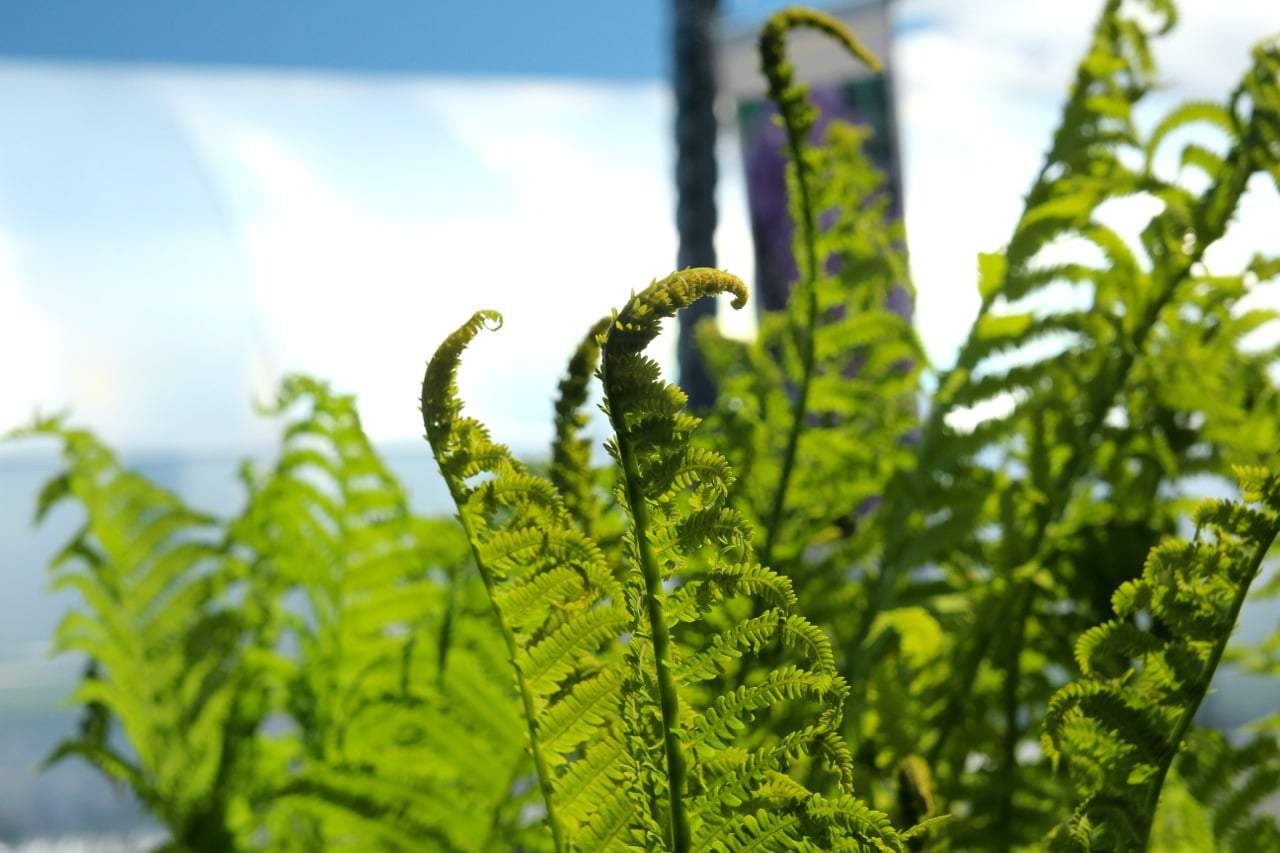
197	199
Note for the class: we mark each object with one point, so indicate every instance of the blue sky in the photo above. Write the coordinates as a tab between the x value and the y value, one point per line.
568	38
174	236
478	37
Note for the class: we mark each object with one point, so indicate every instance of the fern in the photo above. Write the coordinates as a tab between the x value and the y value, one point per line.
798	117
1120	727
165	662
833	616
1225	786
557	604
390	674
688	771
688	548
1067	467
571	470
396	683
814	403
842	338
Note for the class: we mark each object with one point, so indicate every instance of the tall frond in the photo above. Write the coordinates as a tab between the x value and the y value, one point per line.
555	600
398	679
690	594
571	470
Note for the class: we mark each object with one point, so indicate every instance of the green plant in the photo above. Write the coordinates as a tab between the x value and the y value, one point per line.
166	665
829	613
318	671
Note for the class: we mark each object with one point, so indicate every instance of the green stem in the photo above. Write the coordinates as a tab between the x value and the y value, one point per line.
544	773
667	697
805	335
1202	687
792	104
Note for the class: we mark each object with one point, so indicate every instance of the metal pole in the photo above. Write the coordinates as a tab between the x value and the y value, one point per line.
695	91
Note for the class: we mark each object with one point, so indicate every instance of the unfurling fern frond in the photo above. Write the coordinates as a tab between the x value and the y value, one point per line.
699	604
816	415
1120	726
639	700
165	657
845	357
557	604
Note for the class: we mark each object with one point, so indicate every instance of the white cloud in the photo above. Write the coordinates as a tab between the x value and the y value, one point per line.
25	344
566	224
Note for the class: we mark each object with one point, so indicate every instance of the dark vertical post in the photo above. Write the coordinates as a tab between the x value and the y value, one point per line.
695	90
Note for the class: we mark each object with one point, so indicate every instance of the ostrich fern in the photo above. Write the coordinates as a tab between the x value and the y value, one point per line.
830	614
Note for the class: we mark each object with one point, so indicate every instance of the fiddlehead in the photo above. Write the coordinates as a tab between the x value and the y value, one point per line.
694	572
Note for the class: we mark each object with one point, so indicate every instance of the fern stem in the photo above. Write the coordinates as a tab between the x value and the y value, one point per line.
797	119
526	699
806	336
668	699
1202	687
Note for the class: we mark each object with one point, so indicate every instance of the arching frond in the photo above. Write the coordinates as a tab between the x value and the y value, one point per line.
693	580
557	604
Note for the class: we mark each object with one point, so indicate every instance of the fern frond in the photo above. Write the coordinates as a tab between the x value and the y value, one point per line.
555	600
692	569
165	649
398	679
798	117
571	470
1120	727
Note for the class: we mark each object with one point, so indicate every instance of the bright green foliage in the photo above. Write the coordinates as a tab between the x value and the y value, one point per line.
825	386
1012	533
817	412
571	470
558	605
639	736
325	605
1223	787
841	612
1145	673
1148	385
699	603
165	663
397	681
